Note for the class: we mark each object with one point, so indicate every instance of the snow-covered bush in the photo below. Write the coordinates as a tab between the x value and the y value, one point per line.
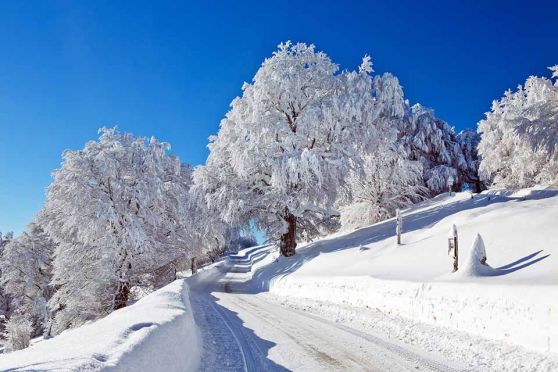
520	136
18	332
387	181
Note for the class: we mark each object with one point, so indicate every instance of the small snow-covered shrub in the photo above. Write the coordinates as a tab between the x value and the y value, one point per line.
18	332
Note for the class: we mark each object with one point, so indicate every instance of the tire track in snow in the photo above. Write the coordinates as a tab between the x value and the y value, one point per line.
394	353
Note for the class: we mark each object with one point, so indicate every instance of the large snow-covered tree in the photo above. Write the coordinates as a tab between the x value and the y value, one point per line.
284	148
519	140
26	266
113	209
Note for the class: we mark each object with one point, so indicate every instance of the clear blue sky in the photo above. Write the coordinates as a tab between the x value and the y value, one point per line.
170	69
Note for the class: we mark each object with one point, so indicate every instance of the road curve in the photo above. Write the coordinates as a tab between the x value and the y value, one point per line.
243	331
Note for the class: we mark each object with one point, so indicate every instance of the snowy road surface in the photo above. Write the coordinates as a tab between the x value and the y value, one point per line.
244	330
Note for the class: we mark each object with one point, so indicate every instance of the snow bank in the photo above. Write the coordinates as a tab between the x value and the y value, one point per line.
156	333
523	316
512	300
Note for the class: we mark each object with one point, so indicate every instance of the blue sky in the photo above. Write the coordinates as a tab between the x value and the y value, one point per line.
170	69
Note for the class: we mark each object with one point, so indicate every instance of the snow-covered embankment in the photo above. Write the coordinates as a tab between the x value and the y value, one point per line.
156	333
515	301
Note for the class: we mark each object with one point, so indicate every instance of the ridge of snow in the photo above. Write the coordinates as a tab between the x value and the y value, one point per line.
156	333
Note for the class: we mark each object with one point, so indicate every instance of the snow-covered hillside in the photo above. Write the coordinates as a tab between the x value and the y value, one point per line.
515	302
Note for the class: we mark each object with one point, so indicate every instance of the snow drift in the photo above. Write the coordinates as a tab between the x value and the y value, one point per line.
156	333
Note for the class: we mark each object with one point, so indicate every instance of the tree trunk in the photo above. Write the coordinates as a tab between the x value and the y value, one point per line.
288	239
193	267
122	293
478	187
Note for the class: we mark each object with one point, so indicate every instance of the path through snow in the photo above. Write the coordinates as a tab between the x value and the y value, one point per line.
244	331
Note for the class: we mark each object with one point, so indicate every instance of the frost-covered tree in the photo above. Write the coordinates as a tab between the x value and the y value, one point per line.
421	135
19	329
284	148
26	266
520	136
113	210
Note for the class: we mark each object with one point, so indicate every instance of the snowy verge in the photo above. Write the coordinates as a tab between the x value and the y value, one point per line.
524	317
156	333
465	351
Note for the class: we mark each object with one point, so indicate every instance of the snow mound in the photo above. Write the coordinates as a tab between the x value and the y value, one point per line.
157	333
476	265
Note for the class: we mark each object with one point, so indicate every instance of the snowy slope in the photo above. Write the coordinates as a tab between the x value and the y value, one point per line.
156	333
517	303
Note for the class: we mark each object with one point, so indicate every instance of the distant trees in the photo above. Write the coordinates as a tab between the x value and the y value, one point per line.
520	136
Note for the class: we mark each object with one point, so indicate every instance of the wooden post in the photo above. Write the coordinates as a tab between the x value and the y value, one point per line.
453	248
399	225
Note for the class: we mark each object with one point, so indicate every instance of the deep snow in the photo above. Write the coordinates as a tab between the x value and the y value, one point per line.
157	333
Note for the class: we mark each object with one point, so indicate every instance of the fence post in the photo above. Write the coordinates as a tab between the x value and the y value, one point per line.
453	248
399	225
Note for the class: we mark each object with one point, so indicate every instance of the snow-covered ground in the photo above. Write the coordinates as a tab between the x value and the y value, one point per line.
157	333
352	301
364	273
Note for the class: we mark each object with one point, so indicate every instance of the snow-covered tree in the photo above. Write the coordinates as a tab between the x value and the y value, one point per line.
421	135
4	298
18	332
520	136
113	209
26	266
284	148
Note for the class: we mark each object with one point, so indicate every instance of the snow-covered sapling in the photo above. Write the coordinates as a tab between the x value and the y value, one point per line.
18	332
453	251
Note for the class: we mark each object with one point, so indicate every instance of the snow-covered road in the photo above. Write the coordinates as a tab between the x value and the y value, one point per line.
243	330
